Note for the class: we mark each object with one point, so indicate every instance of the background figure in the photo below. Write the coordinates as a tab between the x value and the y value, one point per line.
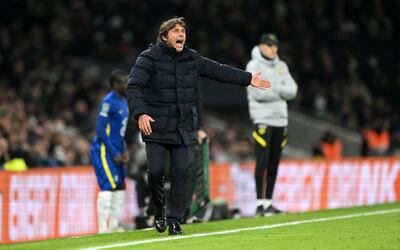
329	147
163	95
269	114
376	139
109	154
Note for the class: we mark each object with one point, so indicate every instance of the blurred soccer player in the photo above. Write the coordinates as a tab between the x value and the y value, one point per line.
108	152
269	114
162	94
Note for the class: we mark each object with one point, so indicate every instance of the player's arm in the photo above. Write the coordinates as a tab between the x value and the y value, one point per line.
103	121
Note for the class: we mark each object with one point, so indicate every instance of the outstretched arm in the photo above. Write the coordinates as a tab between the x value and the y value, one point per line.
228	74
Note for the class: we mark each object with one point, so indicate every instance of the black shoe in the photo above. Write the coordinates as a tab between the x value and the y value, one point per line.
260	211
174	229
160	220
271	210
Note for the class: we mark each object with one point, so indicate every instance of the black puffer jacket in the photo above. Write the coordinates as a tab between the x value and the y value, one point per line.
164	85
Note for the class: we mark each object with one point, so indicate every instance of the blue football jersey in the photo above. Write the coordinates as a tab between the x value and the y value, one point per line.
111	125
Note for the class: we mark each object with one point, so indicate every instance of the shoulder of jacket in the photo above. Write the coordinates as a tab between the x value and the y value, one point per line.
153	52
193	54
253	63
106	104
282	64
107	97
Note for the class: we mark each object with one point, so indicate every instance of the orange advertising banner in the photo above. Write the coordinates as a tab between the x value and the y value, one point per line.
52	203
311	184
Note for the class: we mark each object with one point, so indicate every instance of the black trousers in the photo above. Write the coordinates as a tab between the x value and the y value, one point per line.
269	142
156	157
192	167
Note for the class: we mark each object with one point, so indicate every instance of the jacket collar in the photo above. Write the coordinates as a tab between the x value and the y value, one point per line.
256	55
162	49
168	50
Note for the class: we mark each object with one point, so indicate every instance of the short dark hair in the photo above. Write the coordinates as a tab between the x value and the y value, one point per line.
168	25
117	75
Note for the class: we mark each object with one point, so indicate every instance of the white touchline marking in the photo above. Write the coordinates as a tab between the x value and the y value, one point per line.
91	235
292	223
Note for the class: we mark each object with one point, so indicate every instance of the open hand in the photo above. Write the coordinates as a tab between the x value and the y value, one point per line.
258	82
144	124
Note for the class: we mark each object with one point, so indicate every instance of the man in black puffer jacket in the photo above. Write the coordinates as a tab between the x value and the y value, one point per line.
162	94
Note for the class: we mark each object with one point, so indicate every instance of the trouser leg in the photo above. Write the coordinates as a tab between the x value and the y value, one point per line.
156	154
179	169
276	146
191	179
262	151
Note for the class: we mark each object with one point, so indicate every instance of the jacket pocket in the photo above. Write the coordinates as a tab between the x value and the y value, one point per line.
160	114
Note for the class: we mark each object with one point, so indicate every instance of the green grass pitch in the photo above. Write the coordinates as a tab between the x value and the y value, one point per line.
370	227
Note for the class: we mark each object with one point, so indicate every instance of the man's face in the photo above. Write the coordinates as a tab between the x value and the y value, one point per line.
176	38
120	86
269	51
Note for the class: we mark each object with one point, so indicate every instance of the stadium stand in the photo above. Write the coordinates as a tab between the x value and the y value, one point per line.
344	55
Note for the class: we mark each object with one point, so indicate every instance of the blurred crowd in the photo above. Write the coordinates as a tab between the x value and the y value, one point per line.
46	123
343	54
